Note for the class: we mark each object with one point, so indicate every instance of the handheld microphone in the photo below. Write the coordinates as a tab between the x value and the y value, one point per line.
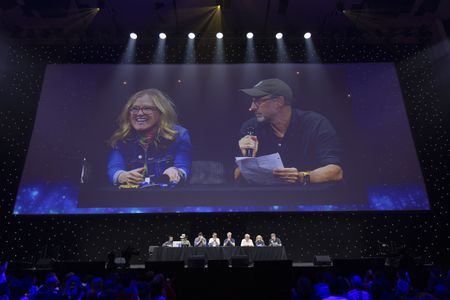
249	131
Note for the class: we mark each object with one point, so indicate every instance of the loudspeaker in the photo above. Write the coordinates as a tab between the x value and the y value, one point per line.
196	261
151	250
322	260
240	261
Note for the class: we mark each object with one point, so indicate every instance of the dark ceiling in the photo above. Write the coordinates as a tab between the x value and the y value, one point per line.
46	18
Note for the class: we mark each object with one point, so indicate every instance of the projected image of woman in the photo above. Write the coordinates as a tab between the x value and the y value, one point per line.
149	143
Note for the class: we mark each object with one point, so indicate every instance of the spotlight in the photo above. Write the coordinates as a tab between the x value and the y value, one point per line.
219	35
307	35
162	36
340	7
133	35
250	35
279	35
191	36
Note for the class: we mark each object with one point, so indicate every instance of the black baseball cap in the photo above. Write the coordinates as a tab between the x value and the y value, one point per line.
273	86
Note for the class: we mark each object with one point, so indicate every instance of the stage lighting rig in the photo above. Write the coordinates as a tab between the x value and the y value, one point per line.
133	36
162	36
191	35
307	35
250	35
279	35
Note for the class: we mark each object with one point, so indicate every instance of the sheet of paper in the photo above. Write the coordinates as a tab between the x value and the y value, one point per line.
258	170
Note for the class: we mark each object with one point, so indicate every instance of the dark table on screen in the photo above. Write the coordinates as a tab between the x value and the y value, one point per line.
214	195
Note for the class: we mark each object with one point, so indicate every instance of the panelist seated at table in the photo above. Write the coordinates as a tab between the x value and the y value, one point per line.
246	241
184	241
214	241
274	241
149	146
168	243
200	240
306	141
259	242
229	241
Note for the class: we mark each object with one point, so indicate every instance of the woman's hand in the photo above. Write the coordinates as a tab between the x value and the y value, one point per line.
134	177
174	174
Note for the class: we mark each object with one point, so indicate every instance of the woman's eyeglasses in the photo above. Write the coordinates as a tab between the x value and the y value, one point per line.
145	109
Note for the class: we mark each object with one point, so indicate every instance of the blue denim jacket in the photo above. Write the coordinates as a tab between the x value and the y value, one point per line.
130	155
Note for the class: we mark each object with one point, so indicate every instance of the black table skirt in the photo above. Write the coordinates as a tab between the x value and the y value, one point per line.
218	253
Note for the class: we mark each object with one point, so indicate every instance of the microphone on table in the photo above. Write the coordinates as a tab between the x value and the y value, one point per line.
164	179
249	131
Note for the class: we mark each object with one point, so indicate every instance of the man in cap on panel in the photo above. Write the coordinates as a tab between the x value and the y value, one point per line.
306	141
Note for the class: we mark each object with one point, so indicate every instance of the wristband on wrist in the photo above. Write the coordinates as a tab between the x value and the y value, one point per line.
306	178
118	177
181	173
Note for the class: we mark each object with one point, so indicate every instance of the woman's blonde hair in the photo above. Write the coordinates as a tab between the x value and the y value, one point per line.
167	120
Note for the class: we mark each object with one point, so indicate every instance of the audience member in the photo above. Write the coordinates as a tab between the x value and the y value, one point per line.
375	286
73	288
321	291
357	293
303	289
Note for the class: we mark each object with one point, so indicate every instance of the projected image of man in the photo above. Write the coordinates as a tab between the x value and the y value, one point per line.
149	143
306	141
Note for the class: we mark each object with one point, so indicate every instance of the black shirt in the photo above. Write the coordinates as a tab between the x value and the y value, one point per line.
274	243
228	243
310	141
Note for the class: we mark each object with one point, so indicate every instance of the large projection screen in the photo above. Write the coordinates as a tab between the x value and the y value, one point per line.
66	170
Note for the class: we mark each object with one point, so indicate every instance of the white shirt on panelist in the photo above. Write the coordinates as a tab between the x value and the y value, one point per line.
247	243
214	242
